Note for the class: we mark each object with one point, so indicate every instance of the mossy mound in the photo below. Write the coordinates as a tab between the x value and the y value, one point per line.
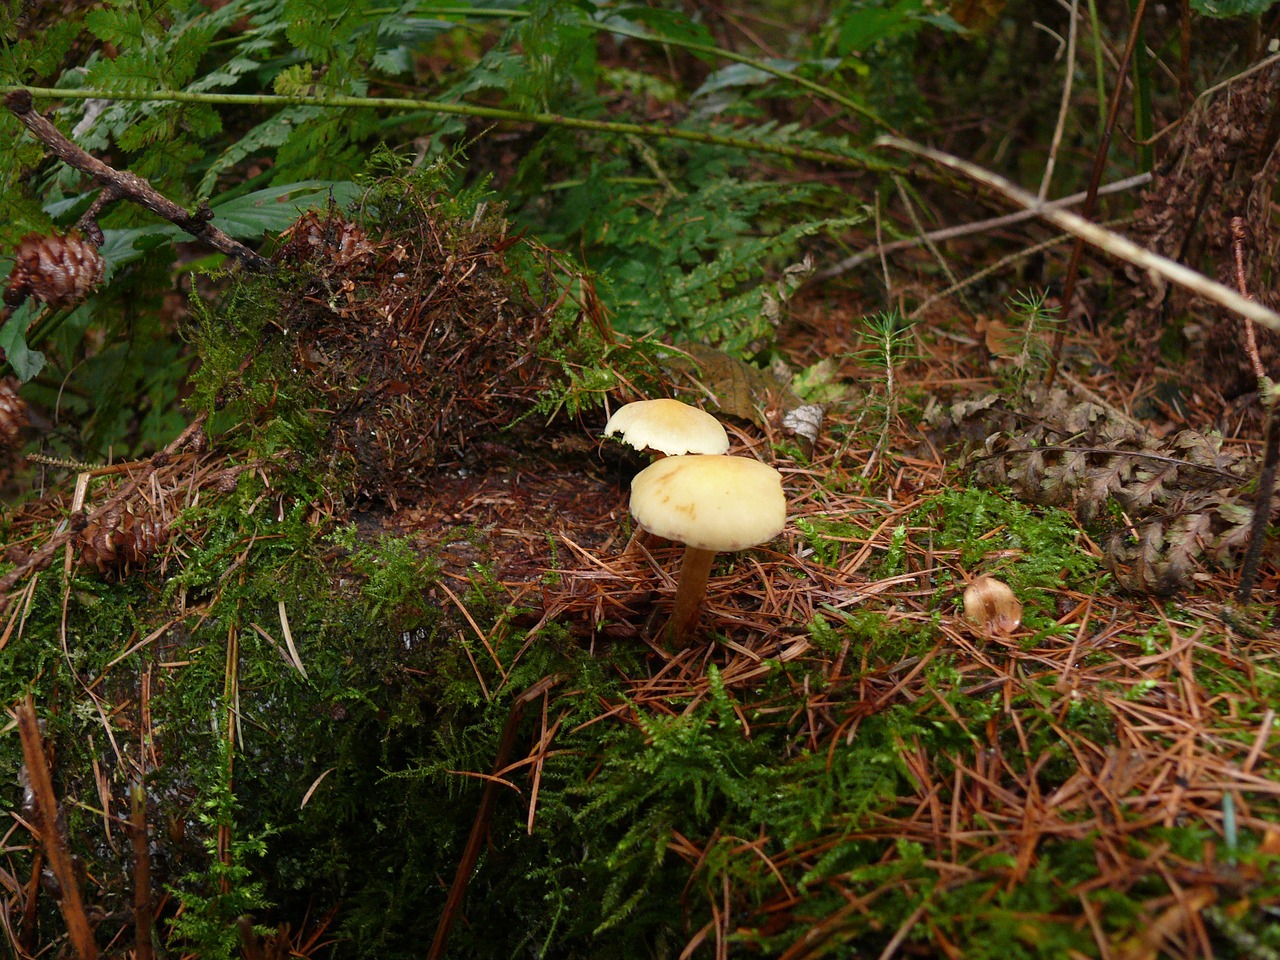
403	335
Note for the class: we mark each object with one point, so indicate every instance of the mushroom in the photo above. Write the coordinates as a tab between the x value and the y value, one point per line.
990	605
668	428
709	503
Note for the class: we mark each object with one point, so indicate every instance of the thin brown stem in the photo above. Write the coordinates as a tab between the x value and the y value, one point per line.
694	571
30	903
1184	56
250	942
480	826
55	845
1250	332
121	183
141	872
1095	181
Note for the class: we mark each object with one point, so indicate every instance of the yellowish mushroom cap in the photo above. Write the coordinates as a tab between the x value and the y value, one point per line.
668	426
710	502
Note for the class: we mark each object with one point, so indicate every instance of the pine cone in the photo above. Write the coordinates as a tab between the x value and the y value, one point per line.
56	270
120	538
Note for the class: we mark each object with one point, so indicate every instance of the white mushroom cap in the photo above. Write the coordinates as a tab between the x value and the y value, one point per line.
668	426
710	502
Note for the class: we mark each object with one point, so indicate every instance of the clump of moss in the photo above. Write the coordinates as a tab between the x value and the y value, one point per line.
401	335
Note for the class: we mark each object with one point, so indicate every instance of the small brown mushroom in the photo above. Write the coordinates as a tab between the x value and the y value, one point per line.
990	605
709	503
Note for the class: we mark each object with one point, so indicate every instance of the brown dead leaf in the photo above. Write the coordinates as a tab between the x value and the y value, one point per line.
725	384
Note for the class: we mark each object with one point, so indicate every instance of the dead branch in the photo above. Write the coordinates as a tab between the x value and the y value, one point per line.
55	845
121	184
1108	241
141	872
1238	236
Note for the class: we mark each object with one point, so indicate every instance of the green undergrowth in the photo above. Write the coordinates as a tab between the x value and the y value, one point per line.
356	785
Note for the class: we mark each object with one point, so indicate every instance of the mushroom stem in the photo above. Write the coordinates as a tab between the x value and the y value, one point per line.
694	570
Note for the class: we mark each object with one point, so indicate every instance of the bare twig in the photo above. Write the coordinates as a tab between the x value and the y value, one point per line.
30	903
1108	241
968	229
122	184
1250	334
1095	180
1065	103
141	872
55	845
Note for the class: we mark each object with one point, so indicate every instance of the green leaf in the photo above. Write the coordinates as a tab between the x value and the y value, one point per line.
741	75
275	208
246	217
26	362
1232	8
667	23
122	27
865	26
272	132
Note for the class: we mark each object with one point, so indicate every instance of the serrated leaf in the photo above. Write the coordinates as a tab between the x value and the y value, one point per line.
1239	520
1187	537
1062	478
1100	483
121	26
295	81
1083	416
1028	473
1147	485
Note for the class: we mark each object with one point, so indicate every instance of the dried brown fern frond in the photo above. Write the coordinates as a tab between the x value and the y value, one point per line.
1220	164
328	242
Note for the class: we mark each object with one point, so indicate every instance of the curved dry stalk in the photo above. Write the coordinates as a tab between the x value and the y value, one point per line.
70	902
1108	241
